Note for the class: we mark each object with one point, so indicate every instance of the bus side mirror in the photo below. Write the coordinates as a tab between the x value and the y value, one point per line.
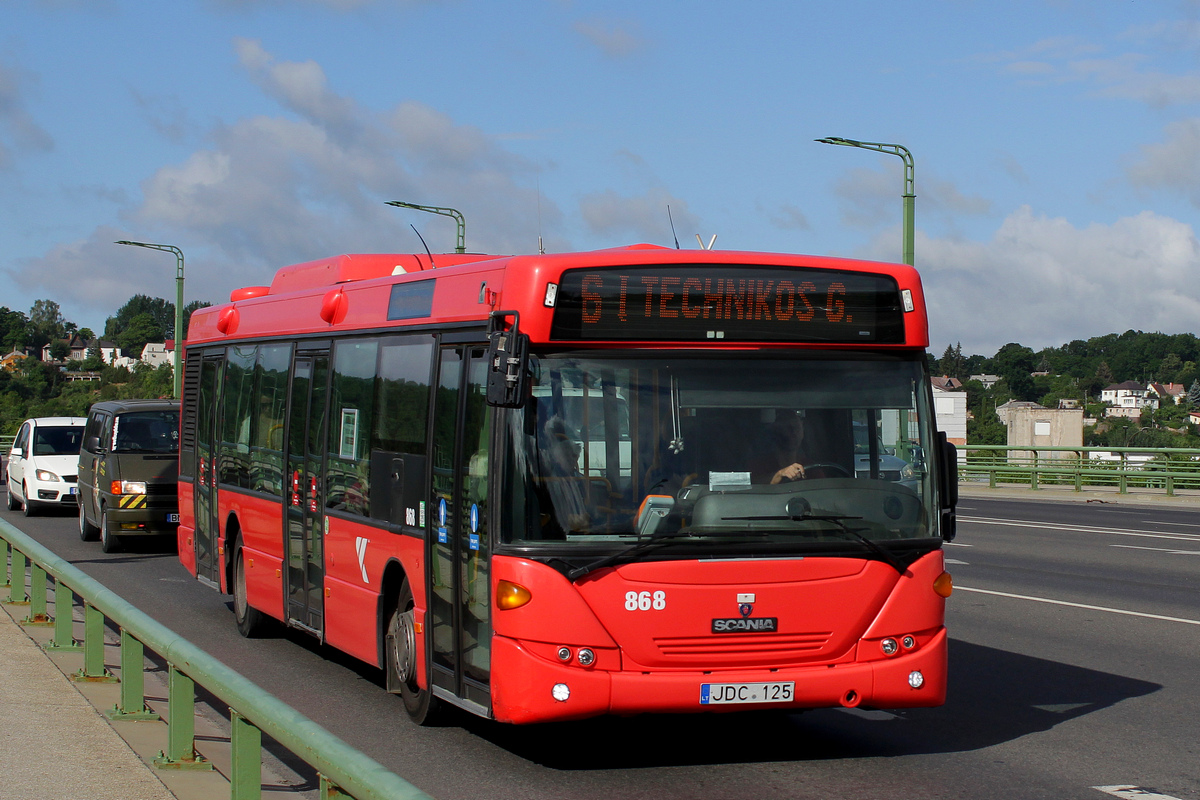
508	361
948	486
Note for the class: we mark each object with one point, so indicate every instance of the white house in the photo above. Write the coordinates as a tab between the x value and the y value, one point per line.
154	354
950	408
1127	399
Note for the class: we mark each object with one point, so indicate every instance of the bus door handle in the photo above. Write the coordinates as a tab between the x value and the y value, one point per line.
312	494
296	488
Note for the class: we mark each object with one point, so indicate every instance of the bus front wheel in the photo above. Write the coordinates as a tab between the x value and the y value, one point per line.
402	643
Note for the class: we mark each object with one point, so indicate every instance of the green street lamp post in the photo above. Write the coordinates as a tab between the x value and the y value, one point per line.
168	248
910	192
456	215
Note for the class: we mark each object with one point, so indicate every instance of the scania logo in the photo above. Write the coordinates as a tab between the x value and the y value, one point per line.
746	625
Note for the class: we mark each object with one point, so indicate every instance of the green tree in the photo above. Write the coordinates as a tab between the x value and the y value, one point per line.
141	329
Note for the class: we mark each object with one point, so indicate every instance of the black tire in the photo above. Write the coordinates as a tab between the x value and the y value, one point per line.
87	531
401	656
251	622
109	542
28	507
13	505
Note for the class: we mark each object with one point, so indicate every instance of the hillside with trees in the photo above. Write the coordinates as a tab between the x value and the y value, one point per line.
1079	370
33	387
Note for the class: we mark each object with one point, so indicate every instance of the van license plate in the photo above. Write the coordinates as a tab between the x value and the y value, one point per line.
172	518
719	693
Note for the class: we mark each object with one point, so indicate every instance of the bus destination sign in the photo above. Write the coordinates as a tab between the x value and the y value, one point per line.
737	303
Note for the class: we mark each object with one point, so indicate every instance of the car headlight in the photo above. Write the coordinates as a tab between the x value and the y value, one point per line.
907	472
47	475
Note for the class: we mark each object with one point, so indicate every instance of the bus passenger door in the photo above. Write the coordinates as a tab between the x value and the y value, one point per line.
304	491
205	507
459	596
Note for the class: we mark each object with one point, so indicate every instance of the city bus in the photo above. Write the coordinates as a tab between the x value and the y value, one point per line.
557	486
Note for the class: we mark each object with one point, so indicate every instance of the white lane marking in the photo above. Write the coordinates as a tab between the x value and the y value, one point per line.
1180	524
1132	792
1158	549
956	561
1012	523
1079	605
958	544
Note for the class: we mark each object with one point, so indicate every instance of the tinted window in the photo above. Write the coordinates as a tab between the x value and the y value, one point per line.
348	467
266	449
56	441
146	432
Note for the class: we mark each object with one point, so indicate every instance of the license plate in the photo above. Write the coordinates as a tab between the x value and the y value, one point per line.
723	693
74	490
172	518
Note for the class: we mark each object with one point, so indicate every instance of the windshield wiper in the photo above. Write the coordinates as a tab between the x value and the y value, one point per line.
840	521
653	541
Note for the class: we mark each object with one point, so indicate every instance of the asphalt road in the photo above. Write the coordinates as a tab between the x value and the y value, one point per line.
1075	637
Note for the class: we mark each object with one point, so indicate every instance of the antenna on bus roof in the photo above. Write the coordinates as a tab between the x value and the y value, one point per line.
422	238
672	226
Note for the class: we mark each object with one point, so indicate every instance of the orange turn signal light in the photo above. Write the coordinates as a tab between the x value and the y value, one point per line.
511	595
116	487
943	584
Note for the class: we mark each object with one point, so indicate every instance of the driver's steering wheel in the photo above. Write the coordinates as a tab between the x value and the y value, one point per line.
827	466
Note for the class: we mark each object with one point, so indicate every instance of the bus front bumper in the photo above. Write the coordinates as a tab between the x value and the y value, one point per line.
527	688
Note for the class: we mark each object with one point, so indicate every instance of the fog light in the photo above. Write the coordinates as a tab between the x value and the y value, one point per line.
564	654
916	679
561	692
908	642
586	657
889	647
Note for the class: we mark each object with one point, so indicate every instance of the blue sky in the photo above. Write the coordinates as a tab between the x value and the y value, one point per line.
1057	143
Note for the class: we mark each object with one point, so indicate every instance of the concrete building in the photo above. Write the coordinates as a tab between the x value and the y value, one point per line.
1044	427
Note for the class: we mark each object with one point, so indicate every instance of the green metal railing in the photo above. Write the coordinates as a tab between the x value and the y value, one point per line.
1124	469
343	769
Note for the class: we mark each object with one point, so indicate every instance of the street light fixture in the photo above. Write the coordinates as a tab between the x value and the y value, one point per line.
461	244
910	192
168	248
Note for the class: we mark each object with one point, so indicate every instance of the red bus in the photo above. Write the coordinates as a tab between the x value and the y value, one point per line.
548	487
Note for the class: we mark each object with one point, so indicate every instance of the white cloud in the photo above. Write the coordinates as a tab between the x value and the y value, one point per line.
643	216
1174	164
614	39
18	130
267	191
1042	282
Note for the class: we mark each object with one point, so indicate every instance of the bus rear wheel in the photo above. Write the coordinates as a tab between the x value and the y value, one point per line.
251	622
401	657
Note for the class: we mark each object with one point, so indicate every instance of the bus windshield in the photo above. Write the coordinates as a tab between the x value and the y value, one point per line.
742	448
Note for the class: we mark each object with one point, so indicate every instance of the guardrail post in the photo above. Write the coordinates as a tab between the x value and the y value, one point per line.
93	648
1170	485
245	777
4	550
133	683
16	588
64	632
1033	475
181	725
330	790
37	597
